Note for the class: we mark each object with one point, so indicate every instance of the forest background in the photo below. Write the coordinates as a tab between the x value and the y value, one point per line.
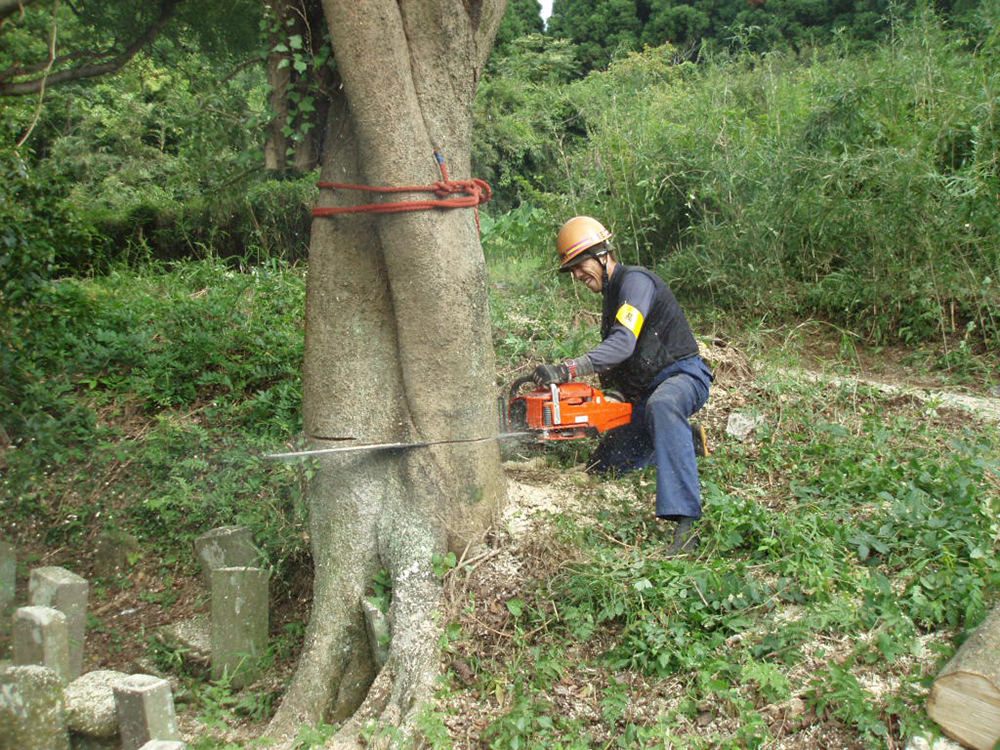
779	162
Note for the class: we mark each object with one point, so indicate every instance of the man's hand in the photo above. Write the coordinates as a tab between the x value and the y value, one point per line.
548	374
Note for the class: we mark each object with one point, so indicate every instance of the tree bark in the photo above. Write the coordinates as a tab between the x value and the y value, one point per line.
279	77
965	697
397	349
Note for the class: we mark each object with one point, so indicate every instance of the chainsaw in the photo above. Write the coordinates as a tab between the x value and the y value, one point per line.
556	412
561	412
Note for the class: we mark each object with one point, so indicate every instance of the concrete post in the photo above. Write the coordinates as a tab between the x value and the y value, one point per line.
112	552
225	547
40	638
60	589
239	623
31	709
145	708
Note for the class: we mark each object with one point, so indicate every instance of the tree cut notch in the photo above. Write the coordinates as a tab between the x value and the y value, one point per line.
965	697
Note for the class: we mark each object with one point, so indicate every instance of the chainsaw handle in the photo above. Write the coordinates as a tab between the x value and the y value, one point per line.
516	386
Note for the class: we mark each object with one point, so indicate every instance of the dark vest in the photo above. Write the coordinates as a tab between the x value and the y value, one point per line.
665	336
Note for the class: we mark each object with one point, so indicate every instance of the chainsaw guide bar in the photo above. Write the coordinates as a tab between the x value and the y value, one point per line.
387	446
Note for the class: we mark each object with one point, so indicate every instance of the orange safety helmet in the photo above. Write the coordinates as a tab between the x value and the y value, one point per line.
578	235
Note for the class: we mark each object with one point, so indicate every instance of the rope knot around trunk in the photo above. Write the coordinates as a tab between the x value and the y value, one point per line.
471	194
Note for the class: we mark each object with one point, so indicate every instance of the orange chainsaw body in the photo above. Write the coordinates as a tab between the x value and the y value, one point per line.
566	412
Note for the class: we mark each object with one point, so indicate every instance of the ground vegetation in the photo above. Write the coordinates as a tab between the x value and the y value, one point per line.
828	209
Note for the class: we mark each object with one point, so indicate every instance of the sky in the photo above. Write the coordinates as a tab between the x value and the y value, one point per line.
546	8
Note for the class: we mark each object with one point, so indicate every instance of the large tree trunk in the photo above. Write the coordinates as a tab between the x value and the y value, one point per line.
397	349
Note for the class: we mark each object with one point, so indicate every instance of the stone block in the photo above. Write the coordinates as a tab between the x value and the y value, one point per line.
225	547
240	611
41	637
90	704
83	742
8	568
145	709
191	640
31	709
164	745
60	589
112	552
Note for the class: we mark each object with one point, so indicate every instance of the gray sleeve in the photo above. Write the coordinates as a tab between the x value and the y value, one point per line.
638	292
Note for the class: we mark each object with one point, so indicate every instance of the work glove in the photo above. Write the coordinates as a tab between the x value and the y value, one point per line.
548	374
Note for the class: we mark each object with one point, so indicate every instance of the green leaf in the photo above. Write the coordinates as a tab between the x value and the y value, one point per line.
515	606
295	41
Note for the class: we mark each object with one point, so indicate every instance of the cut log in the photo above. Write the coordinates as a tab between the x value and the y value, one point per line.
965	697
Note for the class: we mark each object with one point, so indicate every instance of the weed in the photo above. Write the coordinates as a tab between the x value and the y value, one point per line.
442	564
313	736
380	593
219	706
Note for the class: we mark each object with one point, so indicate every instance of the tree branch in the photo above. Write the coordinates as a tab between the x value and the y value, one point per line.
256	60
45	73
10	7
25	70
92	70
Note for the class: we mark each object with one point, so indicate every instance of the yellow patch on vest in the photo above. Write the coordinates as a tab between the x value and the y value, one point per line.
631	318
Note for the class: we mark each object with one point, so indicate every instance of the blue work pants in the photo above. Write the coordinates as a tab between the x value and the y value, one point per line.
659	432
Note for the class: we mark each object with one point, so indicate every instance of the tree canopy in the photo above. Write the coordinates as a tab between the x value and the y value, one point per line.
603	29
48	42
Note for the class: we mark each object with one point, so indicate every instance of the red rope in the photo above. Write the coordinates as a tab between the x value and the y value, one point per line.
475	192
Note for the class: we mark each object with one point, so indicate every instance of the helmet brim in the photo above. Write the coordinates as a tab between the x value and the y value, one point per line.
582	256
575	261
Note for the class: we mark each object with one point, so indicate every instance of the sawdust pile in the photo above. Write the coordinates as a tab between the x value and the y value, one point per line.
536	493
729	364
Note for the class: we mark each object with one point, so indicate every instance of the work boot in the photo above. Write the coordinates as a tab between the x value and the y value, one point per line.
685	540
699	438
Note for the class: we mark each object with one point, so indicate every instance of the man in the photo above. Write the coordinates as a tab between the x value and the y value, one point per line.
649	353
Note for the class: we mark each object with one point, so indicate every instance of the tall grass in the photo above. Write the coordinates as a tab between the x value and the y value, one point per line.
860	187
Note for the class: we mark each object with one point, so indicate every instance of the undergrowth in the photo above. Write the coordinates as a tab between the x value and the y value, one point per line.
139	401
843	550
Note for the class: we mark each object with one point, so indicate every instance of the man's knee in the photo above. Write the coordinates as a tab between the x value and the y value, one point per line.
667	404
678	397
